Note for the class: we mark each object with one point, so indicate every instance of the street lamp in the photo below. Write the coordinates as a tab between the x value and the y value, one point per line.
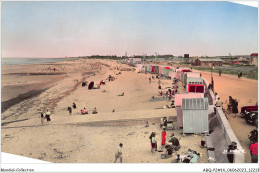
156	56
144	55
212	81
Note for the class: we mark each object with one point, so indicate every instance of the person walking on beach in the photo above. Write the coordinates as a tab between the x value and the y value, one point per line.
42	118
238	74
48	116
219	72
74	106
119	153
70	110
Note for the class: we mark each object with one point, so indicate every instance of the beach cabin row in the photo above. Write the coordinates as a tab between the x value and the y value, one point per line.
160	70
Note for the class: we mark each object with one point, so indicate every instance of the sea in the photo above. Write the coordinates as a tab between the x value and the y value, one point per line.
18	61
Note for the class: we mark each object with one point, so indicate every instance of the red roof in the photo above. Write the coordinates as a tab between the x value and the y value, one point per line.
254	54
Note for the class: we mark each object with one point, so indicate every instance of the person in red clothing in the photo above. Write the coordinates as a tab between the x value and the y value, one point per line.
254	152
163	139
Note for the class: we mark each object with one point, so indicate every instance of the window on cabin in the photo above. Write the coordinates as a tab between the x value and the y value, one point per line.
200	89
192	89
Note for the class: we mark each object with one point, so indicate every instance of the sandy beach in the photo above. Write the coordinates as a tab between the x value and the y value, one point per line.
93	138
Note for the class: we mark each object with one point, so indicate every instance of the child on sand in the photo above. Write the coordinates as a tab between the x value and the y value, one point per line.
94	111
84	111
122	94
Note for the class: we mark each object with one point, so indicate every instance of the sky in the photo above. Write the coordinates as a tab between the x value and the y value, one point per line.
59	29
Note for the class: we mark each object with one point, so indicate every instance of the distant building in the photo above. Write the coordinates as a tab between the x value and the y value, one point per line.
135	60
208	62
186	55
254	59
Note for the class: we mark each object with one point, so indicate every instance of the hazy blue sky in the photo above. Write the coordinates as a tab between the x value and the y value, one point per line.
58	29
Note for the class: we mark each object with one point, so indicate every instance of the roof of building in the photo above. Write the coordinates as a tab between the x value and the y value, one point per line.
210	59
195	104
254	54
193	79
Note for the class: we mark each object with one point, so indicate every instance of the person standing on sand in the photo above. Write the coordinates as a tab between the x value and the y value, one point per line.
74	106
154	143
234	107
150	137
163	139
119	153
70	110
254	152
48	116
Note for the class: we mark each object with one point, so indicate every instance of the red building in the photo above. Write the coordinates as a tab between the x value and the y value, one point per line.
254	59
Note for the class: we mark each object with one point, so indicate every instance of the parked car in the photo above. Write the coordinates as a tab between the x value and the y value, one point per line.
249	108
251	117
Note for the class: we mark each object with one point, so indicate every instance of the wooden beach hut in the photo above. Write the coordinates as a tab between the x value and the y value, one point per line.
195	115
178	105
195	85
179	71
172	75
139	68
167	70
161	70
156	69
184	71
149	68
190	74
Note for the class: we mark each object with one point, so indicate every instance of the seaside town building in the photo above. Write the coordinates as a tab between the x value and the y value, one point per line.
254	59
208	62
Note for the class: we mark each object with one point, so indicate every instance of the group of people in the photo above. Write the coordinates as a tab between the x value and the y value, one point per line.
91	84
169	93
233	105
70	109
190	157
84	111
175	144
